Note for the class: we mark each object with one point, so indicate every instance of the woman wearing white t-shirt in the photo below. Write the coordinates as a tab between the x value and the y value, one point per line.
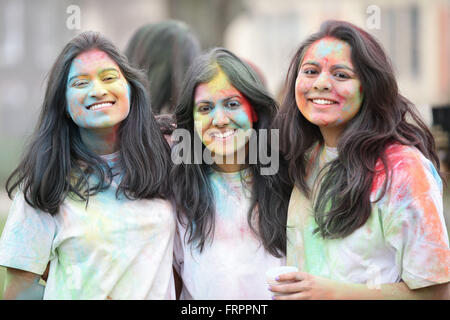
91	187
231	209
365	218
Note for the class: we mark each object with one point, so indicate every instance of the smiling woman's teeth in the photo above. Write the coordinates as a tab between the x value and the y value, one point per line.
100	106
222	135
323	101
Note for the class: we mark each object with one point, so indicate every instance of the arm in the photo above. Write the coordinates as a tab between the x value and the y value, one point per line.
22	285
26	244
307	286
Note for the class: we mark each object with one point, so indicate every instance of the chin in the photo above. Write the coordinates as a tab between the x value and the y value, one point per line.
224	152
324	122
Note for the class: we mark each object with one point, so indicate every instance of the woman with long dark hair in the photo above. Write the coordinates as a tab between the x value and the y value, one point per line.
91	187
365	218
231	211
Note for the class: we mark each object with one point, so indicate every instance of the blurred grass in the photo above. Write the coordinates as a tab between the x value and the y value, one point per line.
9	157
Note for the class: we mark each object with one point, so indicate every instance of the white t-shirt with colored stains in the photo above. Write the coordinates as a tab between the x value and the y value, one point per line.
405	237
233	264
113	249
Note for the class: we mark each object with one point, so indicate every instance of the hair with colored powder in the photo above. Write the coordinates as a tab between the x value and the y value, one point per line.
164	50
192	190
381	121
58	164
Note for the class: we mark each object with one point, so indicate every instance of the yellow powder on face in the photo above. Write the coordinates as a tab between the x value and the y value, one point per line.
219	82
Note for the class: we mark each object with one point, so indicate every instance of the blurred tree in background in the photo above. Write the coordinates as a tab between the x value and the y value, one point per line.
208	18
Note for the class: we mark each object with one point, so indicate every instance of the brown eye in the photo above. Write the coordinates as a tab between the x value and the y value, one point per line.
341	75
309	71
109	78
204	108
233	104
79	83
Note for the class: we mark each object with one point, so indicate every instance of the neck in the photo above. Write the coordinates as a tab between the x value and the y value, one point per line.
229	168
231	164
100	141
331	135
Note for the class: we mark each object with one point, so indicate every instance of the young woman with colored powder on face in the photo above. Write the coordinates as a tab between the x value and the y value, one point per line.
365	218
231	218
91	187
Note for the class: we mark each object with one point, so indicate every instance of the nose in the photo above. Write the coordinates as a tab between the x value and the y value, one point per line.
97	91
322	82
220	117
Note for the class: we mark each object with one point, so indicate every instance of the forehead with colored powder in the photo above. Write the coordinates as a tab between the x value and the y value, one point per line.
92	61
328	49
219	83
218	88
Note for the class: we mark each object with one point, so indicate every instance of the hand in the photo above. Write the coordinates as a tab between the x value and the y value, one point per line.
305	286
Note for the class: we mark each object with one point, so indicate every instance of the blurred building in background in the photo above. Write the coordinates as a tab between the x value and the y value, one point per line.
415	33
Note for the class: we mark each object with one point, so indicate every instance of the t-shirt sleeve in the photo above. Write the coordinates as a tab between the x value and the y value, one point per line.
414	224
26	240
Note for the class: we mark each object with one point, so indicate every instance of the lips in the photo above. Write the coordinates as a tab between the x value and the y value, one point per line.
323	102
100	105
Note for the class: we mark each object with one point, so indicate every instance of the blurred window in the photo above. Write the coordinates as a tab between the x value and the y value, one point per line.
399	32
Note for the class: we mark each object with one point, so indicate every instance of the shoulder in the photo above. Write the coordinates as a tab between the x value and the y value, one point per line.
398	154
408	170
407	161
20	204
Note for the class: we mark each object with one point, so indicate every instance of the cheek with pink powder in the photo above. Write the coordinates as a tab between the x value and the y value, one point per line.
351	106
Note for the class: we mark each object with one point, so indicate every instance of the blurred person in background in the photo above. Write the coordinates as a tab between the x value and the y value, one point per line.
164	51
365	218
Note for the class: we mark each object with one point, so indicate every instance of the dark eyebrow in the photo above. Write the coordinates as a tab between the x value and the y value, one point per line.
312	63
85	74
336	66
202	101
76	76
108	69
224	100
231	97
341	66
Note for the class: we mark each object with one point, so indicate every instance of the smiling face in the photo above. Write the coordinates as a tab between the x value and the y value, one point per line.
97	93
328	91
222	116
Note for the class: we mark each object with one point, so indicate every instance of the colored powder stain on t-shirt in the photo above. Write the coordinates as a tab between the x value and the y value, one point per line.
229	188
117	248
232	265
404	238
412	183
